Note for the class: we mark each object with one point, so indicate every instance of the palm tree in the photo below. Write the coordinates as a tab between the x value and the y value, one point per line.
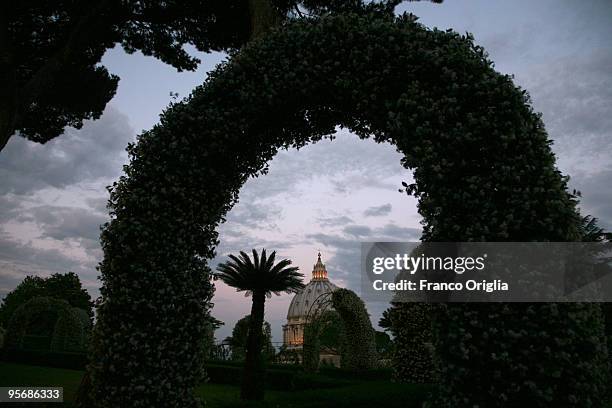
260	278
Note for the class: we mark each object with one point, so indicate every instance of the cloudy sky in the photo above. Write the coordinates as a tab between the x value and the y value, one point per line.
329	196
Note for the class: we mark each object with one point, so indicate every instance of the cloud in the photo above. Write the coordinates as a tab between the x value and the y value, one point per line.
19	259
378	211
346	246
66	223
575	98
53	200
255	215
348	162
596	197
334	221
96	151
345	263
358	230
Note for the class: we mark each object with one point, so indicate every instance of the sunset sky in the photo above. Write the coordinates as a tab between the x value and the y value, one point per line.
329	196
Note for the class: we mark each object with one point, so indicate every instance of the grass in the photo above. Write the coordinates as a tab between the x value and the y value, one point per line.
362	394
355	394
35	376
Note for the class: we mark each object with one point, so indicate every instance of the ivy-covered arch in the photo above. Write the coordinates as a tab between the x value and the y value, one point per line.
359	344
483	171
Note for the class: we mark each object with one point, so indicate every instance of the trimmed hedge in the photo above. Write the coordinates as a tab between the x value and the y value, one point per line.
278	377
73	361
275	379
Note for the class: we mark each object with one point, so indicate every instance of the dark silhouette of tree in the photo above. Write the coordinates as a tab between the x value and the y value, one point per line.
260	278
50	51
384	345
66	287
209	336
238	340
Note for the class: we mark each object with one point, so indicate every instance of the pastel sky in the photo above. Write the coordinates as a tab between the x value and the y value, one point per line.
329	196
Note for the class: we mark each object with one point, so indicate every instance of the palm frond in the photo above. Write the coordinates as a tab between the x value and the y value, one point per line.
260	274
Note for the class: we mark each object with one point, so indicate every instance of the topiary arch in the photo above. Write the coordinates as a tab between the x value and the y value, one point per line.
70	331
359	344
483	168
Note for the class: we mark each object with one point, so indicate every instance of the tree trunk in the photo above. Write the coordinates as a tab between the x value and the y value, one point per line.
263	17
253	377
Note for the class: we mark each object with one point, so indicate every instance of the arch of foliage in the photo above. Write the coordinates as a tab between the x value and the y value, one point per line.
70	331
412	358
358	349
325	331
483	171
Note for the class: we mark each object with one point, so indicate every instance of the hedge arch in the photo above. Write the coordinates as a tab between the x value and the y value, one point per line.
69	332
320	315
483	171
359	344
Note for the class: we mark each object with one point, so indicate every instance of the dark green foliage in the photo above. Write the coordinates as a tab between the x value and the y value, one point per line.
209	337
483	171
64	325
332	331
312	348
70	360
592	232
384	345
27	289
51	51
277	378
411	326
356	394
238	340
66	287
260	275
358	350
288	356
325	332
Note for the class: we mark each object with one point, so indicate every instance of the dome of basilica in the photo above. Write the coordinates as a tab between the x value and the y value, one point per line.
303	301
302	304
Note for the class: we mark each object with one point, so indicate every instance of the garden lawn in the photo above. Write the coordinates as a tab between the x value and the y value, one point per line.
364	394
357	394
36	376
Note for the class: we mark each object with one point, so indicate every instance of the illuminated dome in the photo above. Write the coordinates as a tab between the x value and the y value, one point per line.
302	304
